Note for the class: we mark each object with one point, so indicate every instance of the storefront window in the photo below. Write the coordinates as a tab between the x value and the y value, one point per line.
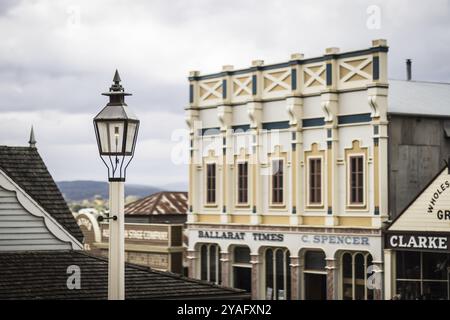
210	263
242	268
277	274
315	276
354	276
422	275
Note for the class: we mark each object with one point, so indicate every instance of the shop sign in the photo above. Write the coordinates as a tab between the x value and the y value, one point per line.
409	241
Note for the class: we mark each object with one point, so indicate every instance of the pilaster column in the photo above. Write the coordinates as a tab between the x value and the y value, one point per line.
389	274
331	194
377	282
255	115
193	257
295	278
331	278
294	109
256	276
225	269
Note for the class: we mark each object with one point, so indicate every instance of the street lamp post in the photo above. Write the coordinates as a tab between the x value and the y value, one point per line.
116	130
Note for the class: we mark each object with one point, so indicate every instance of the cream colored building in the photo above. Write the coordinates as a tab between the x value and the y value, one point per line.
288	177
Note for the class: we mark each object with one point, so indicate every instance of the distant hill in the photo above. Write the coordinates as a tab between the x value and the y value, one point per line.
81	190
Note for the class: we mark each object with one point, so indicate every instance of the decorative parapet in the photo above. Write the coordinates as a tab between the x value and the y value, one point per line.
334	71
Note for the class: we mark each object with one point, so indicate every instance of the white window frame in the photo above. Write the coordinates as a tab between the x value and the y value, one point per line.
322	180
351	205
271	203
205	183
236	176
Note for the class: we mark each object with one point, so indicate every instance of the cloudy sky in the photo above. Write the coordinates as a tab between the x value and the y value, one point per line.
56	57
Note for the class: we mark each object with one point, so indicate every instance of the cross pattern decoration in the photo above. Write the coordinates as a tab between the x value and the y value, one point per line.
278	79
315	75
356	70
211	89
243	86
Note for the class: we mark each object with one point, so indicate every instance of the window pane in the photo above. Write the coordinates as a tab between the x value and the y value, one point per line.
315	260
204	262
370	295
241	255
435	266
269	274
347	281
212	263
435	290
279	266
408	290
408	265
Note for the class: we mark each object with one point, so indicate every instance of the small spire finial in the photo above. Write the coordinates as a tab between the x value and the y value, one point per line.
116	86
117	77
32	141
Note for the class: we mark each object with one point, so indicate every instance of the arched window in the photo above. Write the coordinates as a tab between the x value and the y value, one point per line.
278	274
354	276
210	263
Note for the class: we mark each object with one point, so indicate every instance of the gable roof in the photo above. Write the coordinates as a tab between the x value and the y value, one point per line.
26	168
419	97
43	275
159	203
416	215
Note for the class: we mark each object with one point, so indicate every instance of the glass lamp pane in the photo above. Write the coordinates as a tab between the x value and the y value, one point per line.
102	128
130	136
115	134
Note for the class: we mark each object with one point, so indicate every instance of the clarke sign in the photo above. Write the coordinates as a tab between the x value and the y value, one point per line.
417	241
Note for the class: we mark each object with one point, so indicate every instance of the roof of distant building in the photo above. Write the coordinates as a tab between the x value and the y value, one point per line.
159	203
43	275
26	168
419	97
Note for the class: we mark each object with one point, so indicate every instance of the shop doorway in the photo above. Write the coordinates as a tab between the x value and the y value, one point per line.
315	286
242	268
242	278
314	276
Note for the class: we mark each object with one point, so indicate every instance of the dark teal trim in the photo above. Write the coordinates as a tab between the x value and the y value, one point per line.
354	118
291	63
329	75
224	88
254	209
377	211
313	122
254	85
242	127
191	93
330	211
224	209
294	210
210	131
376	68
329	133
375	142
275	125
294	79
375	129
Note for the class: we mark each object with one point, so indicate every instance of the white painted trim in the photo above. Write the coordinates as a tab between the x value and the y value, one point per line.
36	210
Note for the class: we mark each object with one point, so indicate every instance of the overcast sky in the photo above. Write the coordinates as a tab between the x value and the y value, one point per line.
56	57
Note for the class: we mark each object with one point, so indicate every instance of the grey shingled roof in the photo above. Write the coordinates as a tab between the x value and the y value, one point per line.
419	97
43	275
25	166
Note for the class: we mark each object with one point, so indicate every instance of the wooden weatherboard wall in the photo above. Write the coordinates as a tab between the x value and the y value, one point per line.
20	230
418	147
